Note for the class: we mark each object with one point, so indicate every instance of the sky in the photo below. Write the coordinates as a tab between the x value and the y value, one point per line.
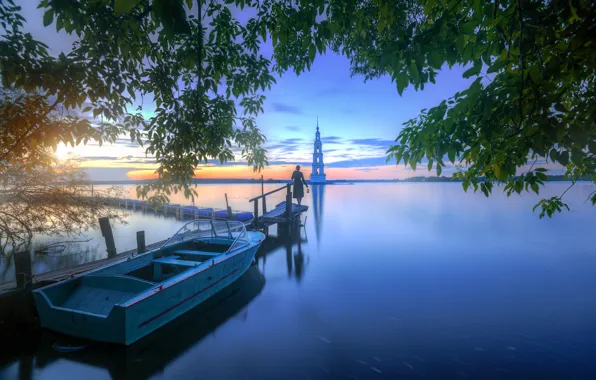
358	121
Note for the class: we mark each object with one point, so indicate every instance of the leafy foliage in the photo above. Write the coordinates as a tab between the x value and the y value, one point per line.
533	95
194	60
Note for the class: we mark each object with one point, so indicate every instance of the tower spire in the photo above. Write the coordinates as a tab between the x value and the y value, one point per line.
318	168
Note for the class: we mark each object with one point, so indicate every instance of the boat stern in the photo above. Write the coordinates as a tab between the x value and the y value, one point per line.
77	308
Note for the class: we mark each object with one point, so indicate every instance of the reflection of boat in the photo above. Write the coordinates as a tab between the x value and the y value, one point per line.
153	353
125	301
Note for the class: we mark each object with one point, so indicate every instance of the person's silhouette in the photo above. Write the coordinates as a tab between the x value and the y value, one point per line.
299	184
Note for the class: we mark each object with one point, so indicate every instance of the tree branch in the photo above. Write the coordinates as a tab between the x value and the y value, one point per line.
24	136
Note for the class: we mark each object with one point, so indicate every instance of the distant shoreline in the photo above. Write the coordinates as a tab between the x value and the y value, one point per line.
231	181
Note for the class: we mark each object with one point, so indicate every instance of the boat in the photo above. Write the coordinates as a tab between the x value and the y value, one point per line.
125	301
149	356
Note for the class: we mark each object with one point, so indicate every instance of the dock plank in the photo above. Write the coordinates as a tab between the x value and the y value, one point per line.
277	215
66	273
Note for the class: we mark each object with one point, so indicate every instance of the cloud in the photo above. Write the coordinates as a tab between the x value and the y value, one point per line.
287	145
295	140
331	140
97	158
330	91
366	169
285	108
379	143
126	142
359	162
293	128
111	174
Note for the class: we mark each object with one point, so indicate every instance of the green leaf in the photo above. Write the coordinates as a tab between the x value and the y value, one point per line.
474	70
559	107
497	66
497	170
312	52
451	155
402	82
573	10
48	17
553	155
439	170
59	24
125	6
563	158
189	4
414	72
469	27
435	60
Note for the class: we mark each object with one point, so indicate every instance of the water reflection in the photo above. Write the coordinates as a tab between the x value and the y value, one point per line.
151	355
295	258
318	197
60	255
287	237
412	281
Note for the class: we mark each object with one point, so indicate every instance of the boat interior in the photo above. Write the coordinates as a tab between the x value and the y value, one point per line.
180	257
101	290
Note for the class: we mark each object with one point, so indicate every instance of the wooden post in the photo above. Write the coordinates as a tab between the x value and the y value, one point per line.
256	216
141	242
228	208
91	190
179	213
289	203
263	192
22	268
106	232
196	214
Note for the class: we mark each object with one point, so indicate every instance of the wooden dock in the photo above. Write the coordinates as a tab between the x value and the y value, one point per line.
278	214
284	212
50	277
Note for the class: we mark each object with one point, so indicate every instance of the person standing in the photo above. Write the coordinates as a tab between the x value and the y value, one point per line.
299	181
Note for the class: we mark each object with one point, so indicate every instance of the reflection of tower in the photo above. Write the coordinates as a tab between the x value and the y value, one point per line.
318	168
318	195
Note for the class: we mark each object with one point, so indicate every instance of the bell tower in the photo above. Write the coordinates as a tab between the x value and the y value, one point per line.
318	168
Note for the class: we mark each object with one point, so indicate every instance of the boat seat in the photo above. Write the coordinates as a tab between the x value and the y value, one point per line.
171	260
198	253
176	261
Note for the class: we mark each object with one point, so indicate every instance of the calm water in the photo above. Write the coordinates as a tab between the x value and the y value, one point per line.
384	281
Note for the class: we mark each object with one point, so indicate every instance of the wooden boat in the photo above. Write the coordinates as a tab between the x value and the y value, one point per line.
149	356
125	301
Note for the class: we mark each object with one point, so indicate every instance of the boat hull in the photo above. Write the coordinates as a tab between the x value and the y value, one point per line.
140	315
147	315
